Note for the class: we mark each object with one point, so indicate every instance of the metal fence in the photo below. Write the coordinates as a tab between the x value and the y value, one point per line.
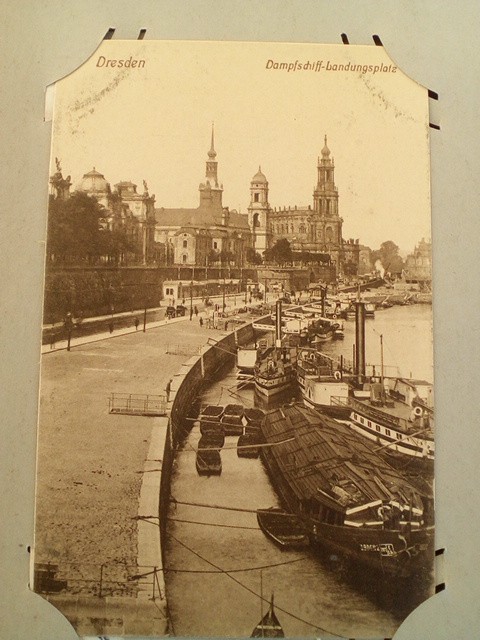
98	580
137	404
182	350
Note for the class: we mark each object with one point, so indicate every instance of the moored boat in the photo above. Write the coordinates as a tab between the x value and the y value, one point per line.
269	626
275	373
212	440
283	528
210	417
232	420
247	445
246	360
321	383
254	416
208	462
398	416
348	498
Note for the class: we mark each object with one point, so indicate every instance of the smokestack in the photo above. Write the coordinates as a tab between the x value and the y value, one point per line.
360	368
323	295
278	324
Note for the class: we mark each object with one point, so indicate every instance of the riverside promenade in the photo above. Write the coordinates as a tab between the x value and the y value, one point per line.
98	476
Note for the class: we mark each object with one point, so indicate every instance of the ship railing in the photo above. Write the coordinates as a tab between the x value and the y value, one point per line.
371	370
380	416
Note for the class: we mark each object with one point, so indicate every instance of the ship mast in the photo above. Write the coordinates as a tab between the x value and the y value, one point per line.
381	359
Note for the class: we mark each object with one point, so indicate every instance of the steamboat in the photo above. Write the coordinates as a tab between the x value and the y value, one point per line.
321	384
398	416
275	370
348	498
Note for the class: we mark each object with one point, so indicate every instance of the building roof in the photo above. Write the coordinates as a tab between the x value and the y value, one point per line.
93	182
200	217
259	176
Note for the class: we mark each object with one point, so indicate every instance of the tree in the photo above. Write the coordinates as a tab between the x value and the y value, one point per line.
75	229
389	257
280	253
253	257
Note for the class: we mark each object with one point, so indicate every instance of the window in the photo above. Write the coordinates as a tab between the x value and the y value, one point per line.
377	427
185	244
387	431
214	245
256	197
184	259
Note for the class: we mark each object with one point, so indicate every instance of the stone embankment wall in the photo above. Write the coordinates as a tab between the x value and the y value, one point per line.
185	387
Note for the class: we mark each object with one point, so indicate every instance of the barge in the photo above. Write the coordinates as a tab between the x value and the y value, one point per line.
347	497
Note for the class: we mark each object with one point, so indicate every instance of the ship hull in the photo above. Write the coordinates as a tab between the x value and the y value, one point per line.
334	411
397	553
272	386
398	447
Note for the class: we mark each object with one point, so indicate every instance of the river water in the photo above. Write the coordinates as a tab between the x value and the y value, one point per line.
314	596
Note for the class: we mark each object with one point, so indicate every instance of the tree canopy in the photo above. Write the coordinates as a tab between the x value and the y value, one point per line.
389	256
253	257
77	232
281	252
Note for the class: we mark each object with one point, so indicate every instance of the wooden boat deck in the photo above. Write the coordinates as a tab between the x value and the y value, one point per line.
283	528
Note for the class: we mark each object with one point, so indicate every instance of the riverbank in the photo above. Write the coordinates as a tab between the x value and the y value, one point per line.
98	477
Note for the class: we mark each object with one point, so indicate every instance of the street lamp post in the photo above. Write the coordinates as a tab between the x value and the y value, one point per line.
191	299
68	323
224	305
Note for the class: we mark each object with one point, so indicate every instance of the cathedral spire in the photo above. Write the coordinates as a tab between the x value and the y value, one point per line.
325	150
212	154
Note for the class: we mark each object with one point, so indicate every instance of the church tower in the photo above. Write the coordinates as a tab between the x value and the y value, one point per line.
258	212
211	191
325	195
325	204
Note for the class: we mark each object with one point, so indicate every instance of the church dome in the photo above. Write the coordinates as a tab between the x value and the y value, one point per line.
259	176
93	182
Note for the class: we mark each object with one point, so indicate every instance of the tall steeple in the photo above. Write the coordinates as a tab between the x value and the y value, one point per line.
325	195
211	190
211	171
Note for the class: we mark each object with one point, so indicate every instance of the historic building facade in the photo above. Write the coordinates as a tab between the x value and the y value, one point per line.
210	234
125	210
418	265
316	229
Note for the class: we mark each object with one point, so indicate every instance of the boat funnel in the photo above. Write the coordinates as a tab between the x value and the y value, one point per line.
323	296
278	324
360	366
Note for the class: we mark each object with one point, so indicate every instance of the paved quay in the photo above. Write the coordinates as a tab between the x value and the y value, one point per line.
124	322
98	476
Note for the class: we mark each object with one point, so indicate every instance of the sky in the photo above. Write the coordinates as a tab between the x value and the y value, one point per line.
154	123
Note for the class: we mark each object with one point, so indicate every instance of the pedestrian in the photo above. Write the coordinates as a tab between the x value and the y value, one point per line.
110	327
201	321
168	388
137	322
196	310
226	325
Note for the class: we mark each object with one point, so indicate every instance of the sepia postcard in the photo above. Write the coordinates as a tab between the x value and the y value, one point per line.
236	423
